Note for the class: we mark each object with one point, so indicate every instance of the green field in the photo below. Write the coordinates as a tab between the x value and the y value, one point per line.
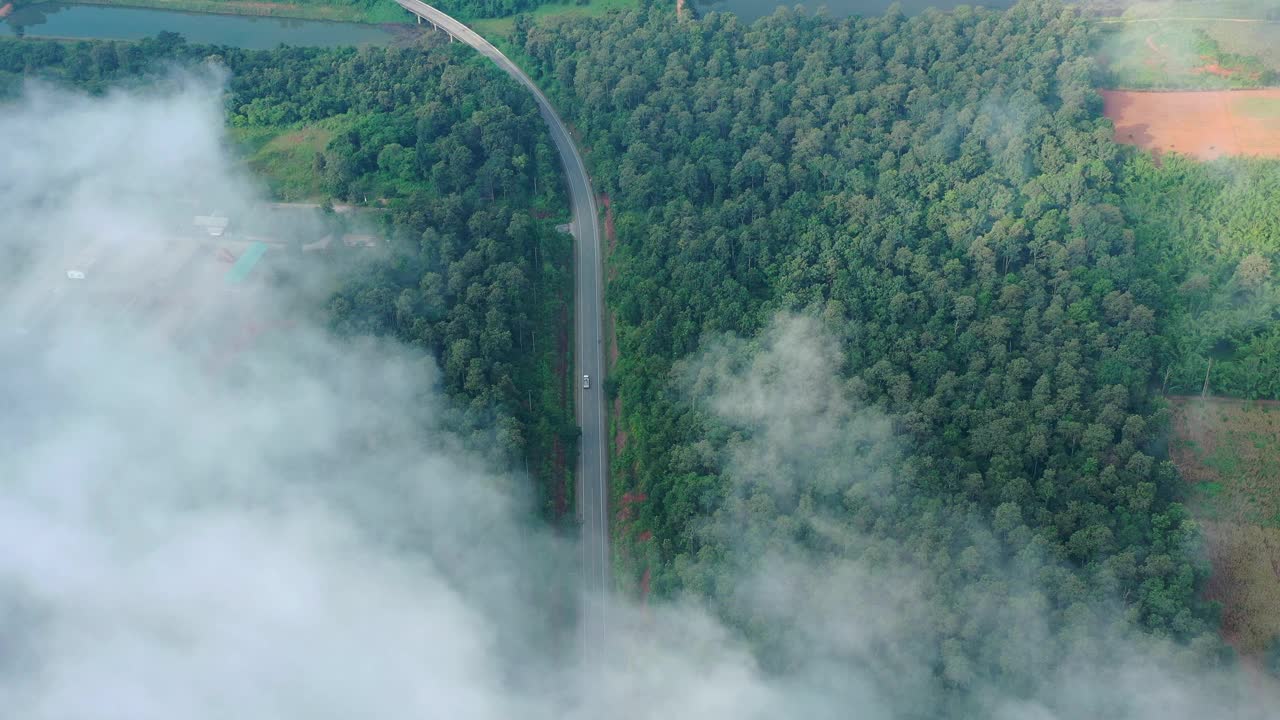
375	11
1191	45
1238	9
1256	39
498	29
1172	54
1228	450
285	157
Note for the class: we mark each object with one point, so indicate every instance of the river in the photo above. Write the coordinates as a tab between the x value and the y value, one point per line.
128	23
750	10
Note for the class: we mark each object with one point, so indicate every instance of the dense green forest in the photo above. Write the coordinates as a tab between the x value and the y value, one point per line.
1211	233
459	155
942	193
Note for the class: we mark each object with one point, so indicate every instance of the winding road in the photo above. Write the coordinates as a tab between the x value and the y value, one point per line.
593	495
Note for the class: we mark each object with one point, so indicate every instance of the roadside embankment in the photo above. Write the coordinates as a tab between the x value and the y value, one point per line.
303	10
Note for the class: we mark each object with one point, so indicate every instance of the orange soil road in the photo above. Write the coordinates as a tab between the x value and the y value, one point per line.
1201	124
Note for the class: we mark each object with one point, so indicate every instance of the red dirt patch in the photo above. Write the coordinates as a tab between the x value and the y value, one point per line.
610	234
1202	124
620	435
629	499
629	541
1214	69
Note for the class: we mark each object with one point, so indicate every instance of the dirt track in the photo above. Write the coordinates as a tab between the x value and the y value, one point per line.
1202	124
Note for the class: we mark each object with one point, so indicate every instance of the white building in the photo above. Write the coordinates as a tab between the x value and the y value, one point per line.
214	224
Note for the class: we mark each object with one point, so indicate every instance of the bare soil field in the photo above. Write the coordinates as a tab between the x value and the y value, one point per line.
1246	580
1202	124
1229	451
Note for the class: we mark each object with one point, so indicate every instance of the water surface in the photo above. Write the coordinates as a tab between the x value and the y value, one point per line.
750	10
127	23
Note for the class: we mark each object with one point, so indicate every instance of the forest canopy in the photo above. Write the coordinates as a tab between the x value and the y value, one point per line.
942	194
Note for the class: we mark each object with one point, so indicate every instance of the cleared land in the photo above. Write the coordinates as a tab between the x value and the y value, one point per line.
287	158
1201	124
1198	9
498	30
1254	39
1229	451
302	9
1188	55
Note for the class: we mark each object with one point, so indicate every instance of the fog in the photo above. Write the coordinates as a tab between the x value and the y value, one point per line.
293	531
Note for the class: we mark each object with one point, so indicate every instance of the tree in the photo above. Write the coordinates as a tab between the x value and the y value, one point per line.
1254	271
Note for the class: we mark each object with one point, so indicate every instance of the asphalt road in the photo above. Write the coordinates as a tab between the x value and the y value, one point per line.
593	496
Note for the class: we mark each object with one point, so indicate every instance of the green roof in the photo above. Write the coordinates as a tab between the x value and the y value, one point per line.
246	263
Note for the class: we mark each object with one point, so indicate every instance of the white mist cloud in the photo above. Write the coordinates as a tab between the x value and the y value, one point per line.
797	431
287	535
860	612
284	532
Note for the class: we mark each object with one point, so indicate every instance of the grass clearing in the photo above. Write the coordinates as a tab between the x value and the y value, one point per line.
500	28
1256	39
286	157
387	12
1246	562
1172	54
1199	9
1229	452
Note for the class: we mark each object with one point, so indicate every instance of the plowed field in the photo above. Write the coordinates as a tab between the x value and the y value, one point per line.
1201	124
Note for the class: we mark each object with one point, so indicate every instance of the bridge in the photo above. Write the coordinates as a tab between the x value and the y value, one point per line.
593	494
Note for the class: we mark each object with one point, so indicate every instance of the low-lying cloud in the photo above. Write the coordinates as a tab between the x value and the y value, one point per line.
290	534
293	531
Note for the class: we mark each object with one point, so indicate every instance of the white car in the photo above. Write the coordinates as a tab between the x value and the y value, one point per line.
586	381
